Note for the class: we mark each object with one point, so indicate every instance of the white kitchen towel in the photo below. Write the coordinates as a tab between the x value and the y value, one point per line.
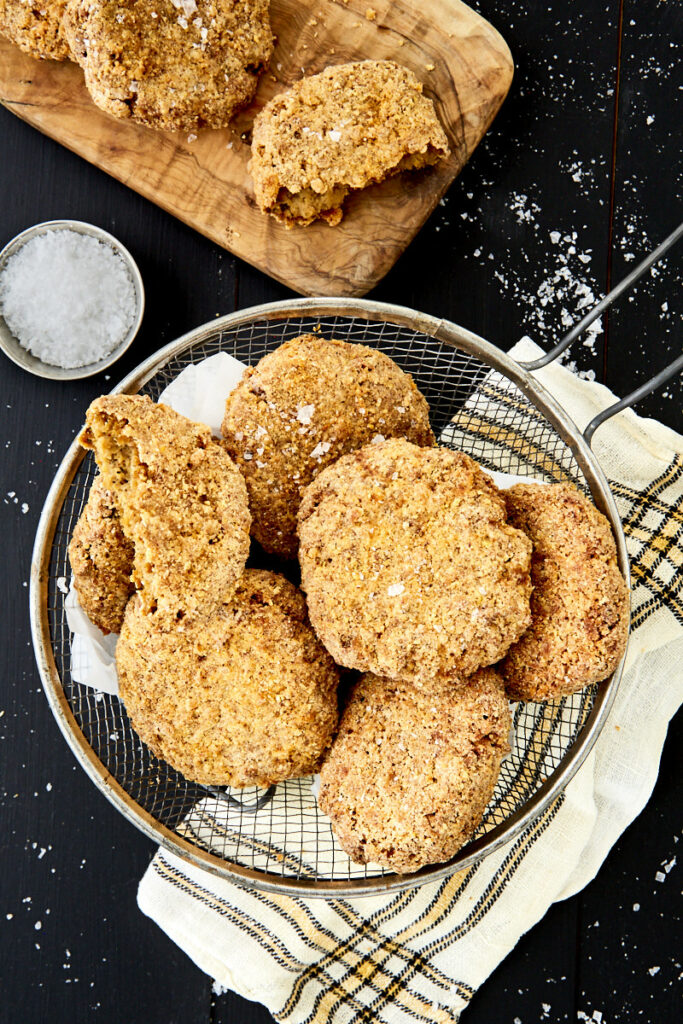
419	955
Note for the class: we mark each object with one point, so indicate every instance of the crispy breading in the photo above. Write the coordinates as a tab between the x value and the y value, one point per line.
101	558
246	697
36	28
409	567
339	131
181	500
301	408
412	768
579	604
178	65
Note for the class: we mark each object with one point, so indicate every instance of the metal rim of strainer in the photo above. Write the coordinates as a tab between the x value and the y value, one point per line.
440	330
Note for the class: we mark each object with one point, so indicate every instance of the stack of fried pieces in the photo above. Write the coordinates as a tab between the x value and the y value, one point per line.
448	596
185	65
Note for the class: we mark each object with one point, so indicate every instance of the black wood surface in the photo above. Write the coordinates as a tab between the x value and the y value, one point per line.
579	176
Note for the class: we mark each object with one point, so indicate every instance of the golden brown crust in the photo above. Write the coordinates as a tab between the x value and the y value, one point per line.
102	561
178	65
341	130
299	409
579	605
409	567
412	769
248	697
36	29
181	500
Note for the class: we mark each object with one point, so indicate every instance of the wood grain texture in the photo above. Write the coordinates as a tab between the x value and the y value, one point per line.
463	62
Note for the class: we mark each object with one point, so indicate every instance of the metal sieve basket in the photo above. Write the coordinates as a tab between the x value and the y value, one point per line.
481	402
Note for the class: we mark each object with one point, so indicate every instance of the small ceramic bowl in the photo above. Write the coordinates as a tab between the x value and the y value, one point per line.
20	355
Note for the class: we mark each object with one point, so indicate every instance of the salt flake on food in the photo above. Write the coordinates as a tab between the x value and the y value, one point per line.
305	414
188	7
320	449
395	589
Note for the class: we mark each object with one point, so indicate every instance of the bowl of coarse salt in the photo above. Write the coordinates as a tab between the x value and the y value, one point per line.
71	299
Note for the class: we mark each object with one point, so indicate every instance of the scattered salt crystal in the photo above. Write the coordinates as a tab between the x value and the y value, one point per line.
378	438
334	135
188	7
62	585
305	414
395	589
191	137
660	877
555	237
321	449
652	971
636	906
67	298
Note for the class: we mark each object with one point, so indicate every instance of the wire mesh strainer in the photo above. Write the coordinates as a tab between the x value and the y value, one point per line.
482	402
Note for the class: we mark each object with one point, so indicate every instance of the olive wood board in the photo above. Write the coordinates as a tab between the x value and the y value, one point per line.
203	180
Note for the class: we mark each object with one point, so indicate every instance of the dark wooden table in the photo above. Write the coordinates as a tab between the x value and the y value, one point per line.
580	171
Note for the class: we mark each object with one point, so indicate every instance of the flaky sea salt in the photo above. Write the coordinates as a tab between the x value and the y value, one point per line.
305	414
322	448
67	298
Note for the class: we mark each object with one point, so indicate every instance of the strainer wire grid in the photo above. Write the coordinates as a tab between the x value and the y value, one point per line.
501	417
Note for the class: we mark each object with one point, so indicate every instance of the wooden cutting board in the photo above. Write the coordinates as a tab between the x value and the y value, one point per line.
463	62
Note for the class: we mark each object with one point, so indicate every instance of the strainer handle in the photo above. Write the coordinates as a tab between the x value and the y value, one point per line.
604	303
645	389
